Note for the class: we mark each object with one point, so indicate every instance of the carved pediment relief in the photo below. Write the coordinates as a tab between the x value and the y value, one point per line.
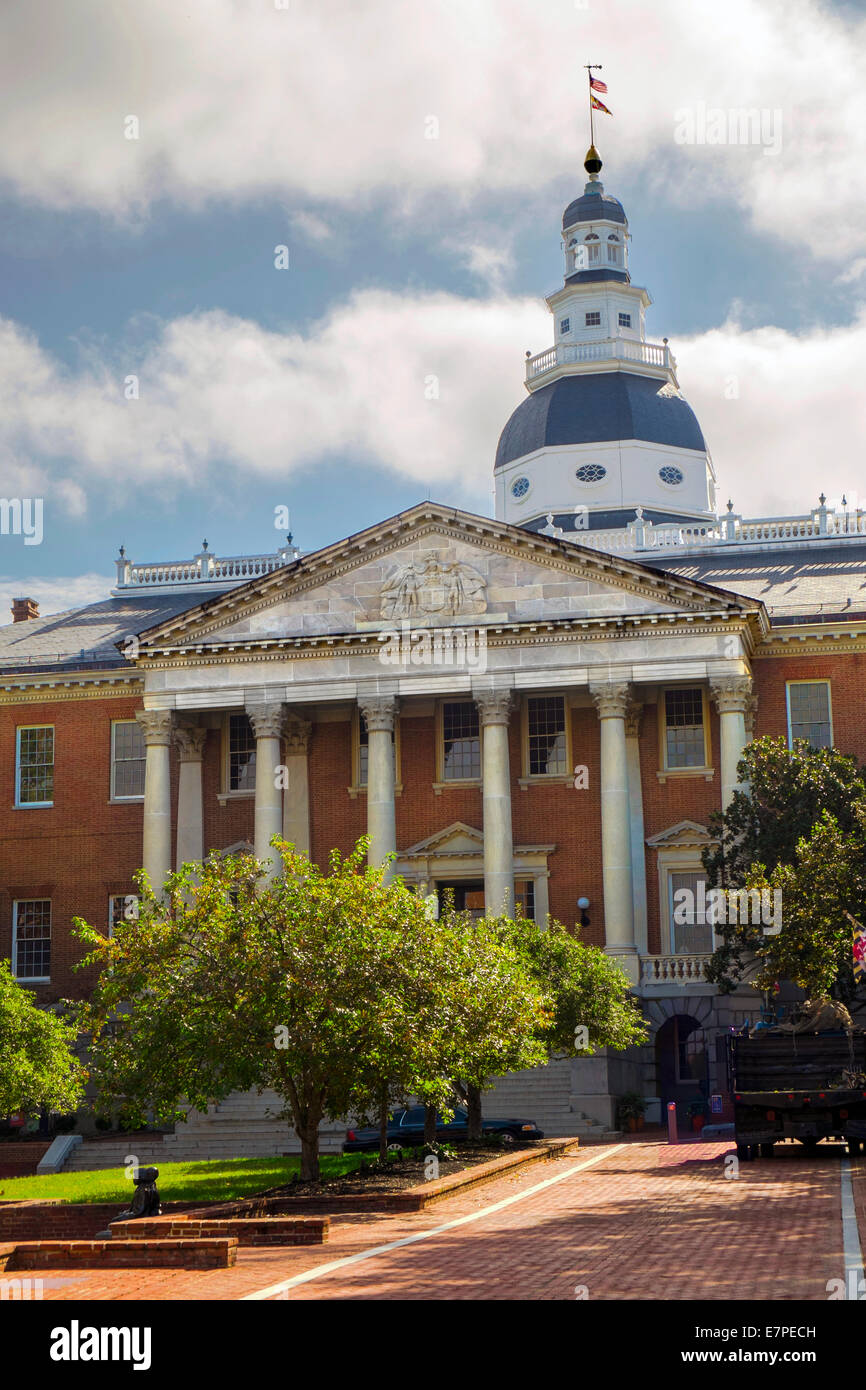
428	587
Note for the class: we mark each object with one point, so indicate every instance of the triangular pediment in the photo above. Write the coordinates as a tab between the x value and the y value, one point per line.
457	838
433	566
685	834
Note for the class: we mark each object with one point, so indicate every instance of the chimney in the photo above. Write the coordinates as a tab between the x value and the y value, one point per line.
24	608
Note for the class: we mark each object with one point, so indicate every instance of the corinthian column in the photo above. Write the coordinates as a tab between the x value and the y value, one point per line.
267	723
734	701
494	710
190	743
613	702
379	713
157	727
296	796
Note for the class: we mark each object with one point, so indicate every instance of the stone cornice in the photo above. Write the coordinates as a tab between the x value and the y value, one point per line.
529	632
826	639
493	536
30	691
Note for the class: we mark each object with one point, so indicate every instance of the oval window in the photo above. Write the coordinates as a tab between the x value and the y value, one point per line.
590	473
672	476
520	487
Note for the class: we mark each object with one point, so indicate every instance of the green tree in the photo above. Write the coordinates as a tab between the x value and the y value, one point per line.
38	1065
584	986
825	883
783	795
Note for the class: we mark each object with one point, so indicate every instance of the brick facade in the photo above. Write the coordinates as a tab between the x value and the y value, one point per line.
86	847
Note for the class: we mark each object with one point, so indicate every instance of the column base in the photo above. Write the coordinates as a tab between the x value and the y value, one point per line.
628	960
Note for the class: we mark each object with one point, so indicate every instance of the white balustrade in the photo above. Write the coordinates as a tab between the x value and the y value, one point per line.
674	969
624	349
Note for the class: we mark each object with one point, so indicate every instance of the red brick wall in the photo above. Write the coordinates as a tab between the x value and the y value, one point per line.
84	847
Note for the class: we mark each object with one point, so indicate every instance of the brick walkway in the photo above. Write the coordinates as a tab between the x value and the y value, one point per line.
646	1221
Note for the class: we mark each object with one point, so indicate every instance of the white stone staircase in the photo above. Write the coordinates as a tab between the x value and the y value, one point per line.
544	1095
239	1127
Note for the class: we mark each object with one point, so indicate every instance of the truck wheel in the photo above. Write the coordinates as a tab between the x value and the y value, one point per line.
743	1153
766	1151
810	1145
854	1147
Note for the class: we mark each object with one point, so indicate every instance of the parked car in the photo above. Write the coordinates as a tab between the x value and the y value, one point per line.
406	1128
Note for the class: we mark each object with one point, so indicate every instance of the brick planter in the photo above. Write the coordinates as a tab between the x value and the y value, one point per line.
56	1220
267	1230
119	1254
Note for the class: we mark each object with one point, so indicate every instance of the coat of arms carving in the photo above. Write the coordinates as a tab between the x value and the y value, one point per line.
429	587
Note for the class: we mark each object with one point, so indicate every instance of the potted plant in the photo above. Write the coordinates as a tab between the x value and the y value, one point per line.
630	1111
697	1112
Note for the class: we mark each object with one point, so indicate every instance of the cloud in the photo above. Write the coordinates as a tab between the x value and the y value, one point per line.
418	386
54	595
335	103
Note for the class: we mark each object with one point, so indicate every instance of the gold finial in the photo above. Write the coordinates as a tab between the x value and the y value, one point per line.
592	163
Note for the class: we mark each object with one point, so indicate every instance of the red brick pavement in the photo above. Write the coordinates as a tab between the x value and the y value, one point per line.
647	1221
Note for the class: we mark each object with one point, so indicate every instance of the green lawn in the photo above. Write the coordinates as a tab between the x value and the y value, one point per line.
216	1180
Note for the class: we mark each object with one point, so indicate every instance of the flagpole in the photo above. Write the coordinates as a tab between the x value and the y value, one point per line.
590	67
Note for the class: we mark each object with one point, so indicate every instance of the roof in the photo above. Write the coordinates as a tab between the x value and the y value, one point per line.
600	406
800	582
594	207
83	637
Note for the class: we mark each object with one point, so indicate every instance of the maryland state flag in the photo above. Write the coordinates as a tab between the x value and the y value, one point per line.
599	105
859	950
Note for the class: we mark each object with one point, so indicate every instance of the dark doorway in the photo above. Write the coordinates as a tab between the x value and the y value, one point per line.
468	894
682	1061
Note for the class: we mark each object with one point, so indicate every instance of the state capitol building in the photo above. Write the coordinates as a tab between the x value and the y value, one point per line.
541	708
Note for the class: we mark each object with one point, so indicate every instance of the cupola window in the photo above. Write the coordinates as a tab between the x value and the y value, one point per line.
670	475
565	325
590	473
625	320
520	487
593	318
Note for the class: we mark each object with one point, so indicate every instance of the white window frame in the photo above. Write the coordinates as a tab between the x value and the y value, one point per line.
32	805
16	903
819	681
592	313
112	793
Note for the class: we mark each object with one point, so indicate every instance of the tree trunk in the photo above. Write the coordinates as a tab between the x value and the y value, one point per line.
473	1106
429	1124
383	1124
309	1138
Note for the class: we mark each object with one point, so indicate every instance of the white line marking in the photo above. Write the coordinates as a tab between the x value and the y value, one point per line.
850	1232
274	1289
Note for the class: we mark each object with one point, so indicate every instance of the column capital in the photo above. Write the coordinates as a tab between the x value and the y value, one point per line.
379	712
190	740
157	726
267	720
298	732
731	694
613	699
494	706
633	716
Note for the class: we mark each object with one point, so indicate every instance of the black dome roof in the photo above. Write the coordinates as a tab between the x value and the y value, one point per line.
596	408
593	207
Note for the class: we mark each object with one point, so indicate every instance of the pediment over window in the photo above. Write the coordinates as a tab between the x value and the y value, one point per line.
683	835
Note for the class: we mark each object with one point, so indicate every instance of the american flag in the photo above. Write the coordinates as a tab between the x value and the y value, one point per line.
597	83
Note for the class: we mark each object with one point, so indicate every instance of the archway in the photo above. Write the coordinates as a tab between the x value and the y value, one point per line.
682	1064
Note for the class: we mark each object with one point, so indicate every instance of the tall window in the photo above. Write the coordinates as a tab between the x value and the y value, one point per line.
364	751
242	754
548	753
127	760
461	741
685	744
691	934
34	766
121	906
524	898
31	939
809	713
